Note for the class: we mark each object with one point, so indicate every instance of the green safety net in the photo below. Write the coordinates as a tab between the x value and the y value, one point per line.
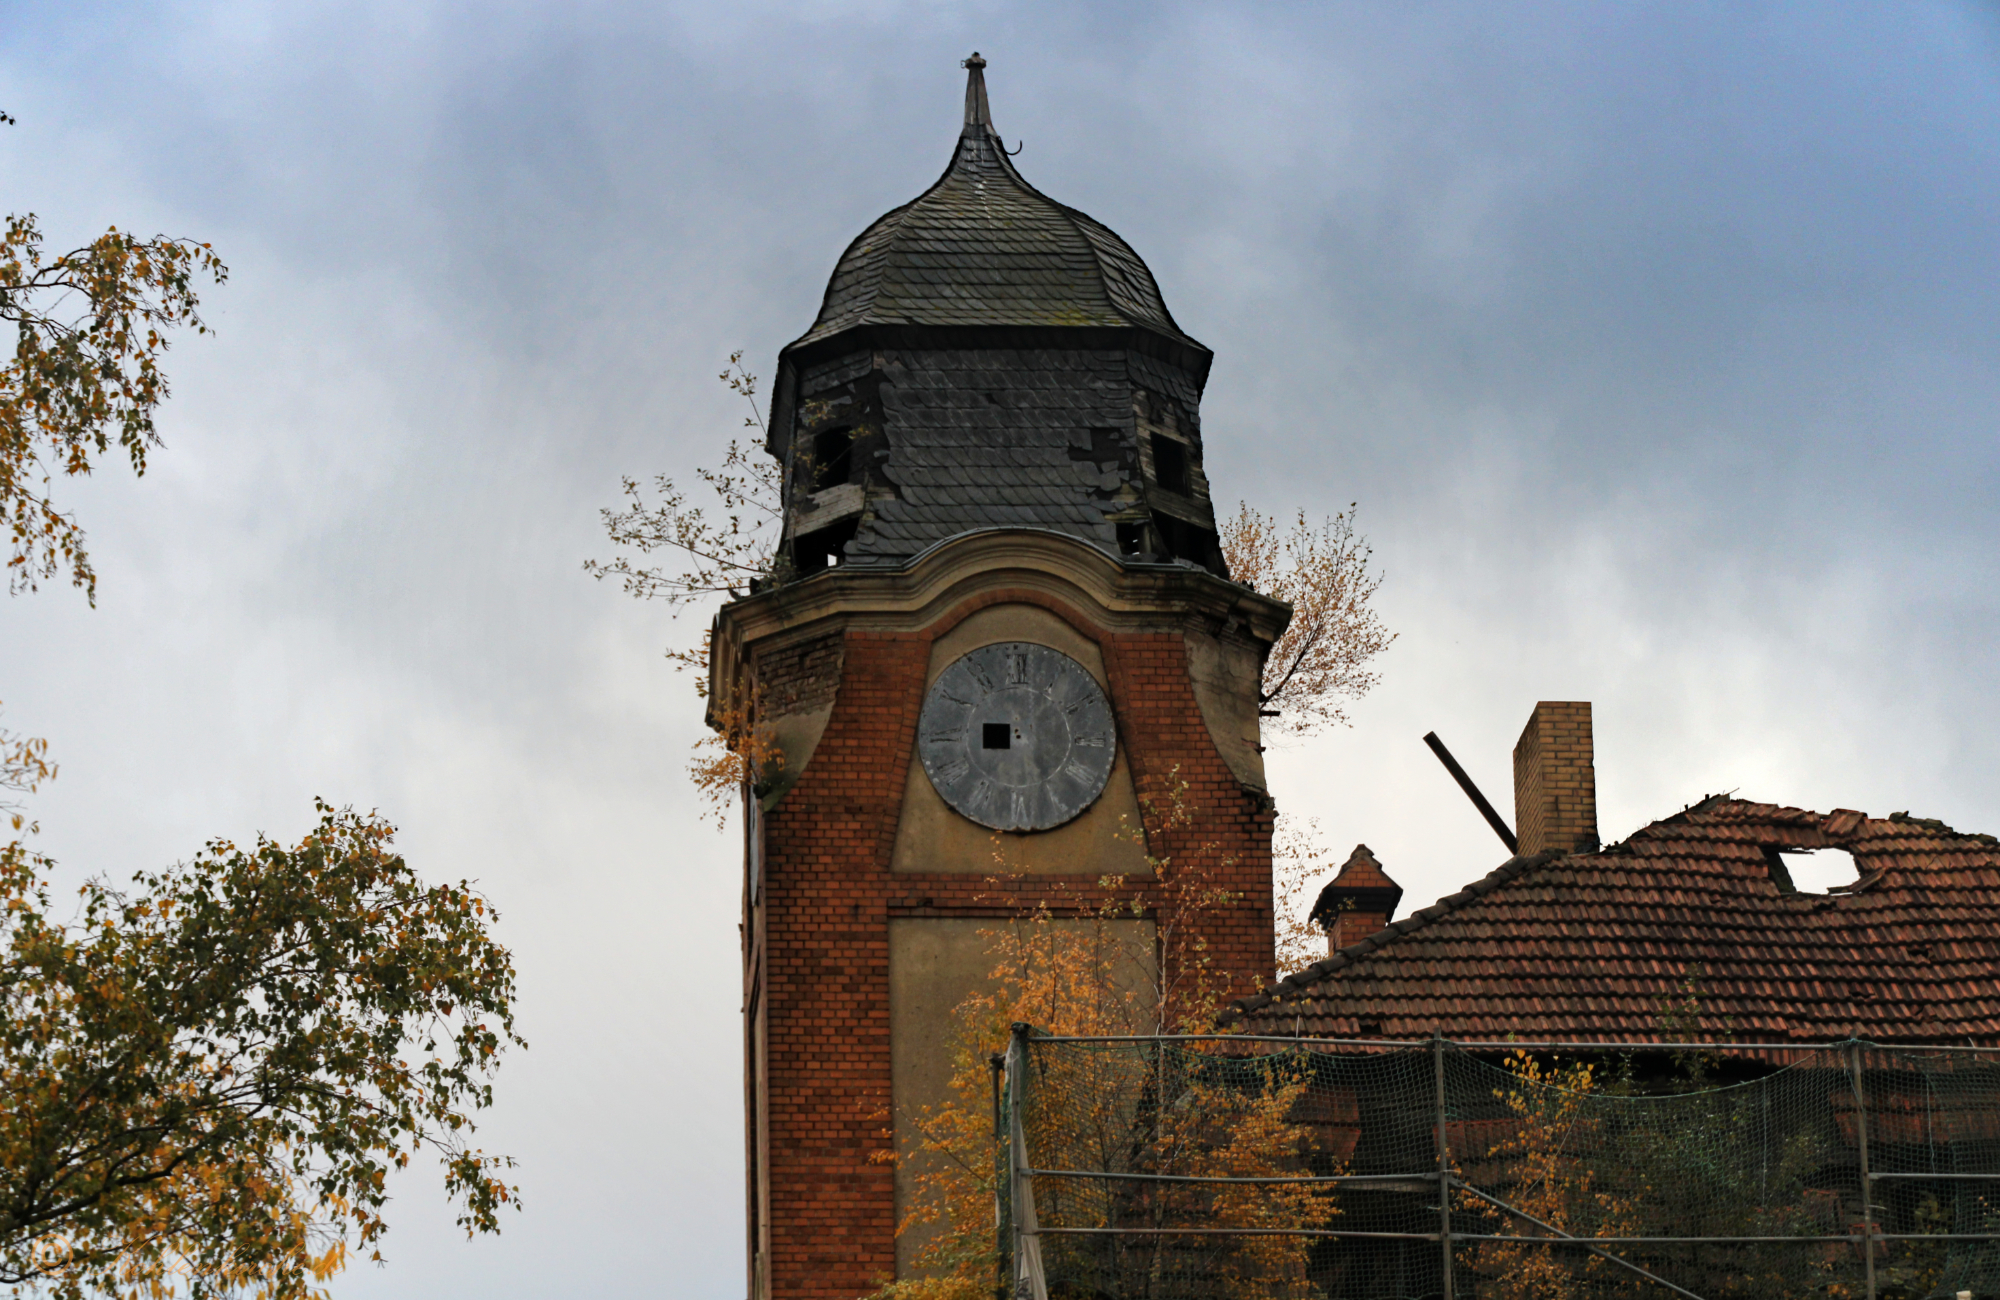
1176	1168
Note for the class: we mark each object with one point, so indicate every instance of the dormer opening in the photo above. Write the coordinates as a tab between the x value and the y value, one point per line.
832	462
1170	465
825	548
1186	541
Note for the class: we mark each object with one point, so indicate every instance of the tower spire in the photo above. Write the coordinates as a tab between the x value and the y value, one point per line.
978	117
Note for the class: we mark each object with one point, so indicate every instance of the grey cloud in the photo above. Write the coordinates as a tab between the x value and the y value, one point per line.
1657	343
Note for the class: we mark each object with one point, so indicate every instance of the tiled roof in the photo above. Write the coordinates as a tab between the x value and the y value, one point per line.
1587	947
984	247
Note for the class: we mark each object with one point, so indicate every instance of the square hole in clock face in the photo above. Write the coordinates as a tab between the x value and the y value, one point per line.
996	735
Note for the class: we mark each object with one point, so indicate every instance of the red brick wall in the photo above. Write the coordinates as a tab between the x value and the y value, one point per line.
802	676
829	896
1353	927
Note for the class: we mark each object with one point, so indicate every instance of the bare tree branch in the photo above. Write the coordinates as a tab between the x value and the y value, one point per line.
1321	662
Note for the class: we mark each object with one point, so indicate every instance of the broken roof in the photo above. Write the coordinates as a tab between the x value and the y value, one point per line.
983	247
1589	947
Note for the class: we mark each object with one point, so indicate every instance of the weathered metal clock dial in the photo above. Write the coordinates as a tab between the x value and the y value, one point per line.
1017	736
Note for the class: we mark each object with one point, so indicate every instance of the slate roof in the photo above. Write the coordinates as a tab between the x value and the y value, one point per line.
959	459
1586	947
983	247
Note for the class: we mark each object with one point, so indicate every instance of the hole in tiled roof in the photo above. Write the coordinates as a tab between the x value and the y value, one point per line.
1817	871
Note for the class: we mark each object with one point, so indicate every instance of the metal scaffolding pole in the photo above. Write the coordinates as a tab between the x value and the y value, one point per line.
1026	1264
1444	1168
1867	1183
1002	1160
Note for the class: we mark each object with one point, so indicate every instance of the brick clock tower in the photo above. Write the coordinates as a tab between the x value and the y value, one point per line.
1008	622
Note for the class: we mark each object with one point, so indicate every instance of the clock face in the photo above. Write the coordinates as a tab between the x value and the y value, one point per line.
1017	736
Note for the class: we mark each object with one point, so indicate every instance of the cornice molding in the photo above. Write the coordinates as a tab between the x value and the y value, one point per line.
1116	596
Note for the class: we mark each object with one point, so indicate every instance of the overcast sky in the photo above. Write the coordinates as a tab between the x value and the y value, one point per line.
1657	343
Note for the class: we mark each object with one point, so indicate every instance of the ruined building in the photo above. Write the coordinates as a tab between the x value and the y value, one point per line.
1570	940
1001	618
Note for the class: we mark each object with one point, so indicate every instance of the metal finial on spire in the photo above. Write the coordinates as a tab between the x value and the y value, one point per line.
977	114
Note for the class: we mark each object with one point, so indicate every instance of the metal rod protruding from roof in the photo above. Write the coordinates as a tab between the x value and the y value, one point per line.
1493	819
977	113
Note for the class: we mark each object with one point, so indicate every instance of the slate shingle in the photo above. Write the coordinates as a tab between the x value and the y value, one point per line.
984	247
997	353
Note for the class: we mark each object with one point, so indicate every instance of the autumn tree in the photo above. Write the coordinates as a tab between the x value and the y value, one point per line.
1318	667
703	556
1300	867
1321	663
24	765
91	328
208	1078
1551	1150
1090	966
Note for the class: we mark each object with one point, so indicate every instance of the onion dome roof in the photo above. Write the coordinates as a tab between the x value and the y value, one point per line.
982	247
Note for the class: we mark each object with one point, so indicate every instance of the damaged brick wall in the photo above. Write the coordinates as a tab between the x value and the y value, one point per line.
800	677
829	897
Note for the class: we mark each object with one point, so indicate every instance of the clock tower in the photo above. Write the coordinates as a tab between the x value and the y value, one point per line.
1002	622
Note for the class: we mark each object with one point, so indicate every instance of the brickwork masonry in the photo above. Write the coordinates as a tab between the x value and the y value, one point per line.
1555	780
819	977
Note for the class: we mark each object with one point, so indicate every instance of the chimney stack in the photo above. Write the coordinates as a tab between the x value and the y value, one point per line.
1555	780
1357	902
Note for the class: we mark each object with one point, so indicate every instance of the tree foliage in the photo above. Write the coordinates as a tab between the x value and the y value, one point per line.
1321	661
91	328
1550	1146
24	765
208	1079
205	1079
705	555
1076	965
1300	867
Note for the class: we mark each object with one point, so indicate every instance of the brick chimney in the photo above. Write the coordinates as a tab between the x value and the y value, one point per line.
1357	902
1555	780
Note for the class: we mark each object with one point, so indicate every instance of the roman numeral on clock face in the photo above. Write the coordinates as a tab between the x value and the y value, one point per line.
1030	749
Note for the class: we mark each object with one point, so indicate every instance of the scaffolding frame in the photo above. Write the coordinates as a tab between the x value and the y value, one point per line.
1020	1232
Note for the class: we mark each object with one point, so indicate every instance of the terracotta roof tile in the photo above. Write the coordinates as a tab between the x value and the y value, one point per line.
1589	946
